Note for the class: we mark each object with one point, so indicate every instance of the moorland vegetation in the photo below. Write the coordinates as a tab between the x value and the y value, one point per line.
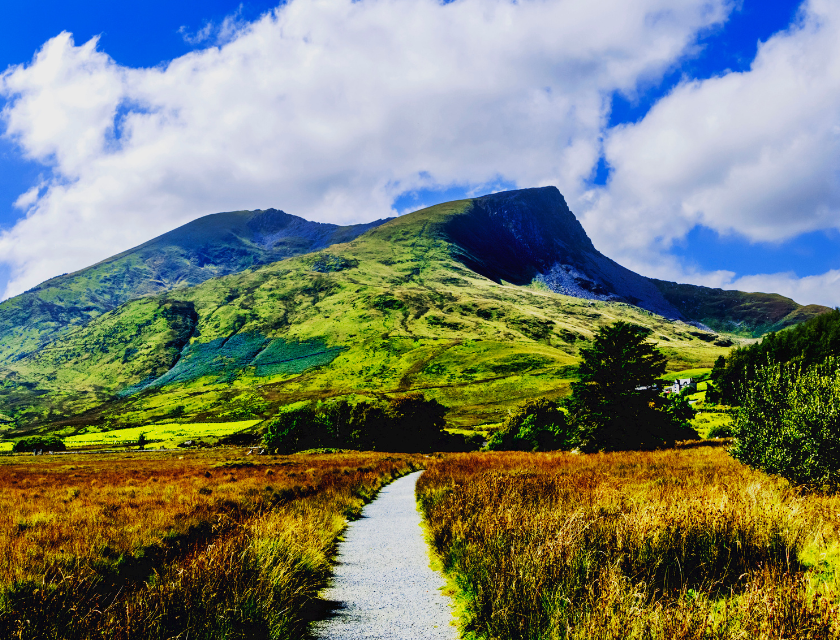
678	544
160	545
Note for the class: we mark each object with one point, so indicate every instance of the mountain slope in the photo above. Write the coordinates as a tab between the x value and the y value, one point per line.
749	314
395	310
520	236
212	246
455	301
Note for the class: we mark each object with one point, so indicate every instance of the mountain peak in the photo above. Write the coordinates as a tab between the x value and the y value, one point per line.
531	235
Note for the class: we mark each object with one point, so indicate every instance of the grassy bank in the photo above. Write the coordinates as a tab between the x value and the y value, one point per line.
197	545
675	544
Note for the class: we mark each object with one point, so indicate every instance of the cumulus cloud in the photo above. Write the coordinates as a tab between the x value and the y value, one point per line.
820	289
216	33
755	153
327	109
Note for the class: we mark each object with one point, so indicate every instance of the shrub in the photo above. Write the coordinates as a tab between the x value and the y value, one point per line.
789	424
416	424
39	443
459	442
295	429
537	425
720	431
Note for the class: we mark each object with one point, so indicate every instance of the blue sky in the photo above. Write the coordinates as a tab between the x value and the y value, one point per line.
136	34
355	171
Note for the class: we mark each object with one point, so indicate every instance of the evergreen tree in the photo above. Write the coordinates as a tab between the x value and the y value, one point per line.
616	403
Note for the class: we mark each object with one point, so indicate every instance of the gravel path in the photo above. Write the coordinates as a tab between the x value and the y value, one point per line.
383	585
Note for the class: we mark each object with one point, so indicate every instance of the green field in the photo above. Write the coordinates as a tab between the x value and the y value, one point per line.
159	435
701	373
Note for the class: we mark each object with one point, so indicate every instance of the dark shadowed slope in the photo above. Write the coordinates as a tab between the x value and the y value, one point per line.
527	235
212	246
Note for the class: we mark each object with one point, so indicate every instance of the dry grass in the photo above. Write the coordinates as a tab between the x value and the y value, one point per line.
669	545
193	545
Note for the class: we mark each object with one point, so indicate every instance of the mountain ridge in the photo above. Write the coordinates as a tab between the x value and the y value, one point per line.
211	246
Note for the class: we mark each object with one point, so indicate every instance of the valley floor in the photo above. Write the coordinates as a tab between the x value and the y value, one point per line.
678	544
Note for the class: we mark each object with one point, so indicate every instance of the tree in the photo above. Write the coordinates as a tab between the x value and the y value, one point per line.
537	425
715	382
295	429
416	424
616	403
39	443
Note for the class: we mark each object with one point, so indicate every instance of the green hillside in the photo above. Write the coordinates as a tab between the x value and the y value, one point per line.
395	310
746	314
209	247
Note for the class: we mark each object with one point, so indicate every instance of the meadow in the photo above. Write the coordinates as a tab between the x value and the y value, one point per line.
203	544
679	544
167	435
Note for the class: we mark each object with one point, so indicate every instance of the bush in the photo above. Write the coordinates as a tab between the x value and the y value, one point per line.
39	443
720	431
537	425
416	424
459	442
789	424
295	429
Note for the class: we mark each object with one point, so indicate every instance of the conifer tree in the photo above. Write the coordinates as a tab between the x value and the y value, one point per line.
616	403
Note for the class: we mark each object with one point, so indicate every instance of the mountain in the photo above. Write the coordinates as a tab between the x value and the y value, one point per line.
212	246
467	301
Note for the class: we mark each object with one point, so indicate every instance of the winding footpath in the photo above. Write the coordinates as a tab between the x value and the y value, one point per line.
383	585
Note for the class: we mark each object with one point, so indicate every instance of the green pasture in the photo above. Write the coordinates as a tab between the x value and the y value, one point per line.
687	373
705	420
158	435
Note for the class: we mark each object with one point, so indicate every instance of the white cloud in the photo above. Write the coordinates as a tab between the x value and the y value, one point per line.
819	289
327	109
216	33
755	153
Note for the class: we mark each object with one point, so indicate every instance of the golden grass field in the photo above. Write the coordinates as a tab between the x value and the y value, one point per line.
205	544
678	544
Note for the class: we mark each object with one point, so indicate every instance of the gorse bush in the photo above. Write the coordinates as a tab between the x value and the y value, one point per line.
789	423
537	425
720	431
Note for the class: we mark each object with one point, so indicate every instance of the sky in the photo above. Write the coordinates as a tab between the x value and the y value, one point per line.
696	140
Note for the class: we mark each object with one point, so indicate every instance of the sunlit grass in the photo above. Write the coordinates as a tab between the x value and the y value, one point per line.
680	544
207	544
168	435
